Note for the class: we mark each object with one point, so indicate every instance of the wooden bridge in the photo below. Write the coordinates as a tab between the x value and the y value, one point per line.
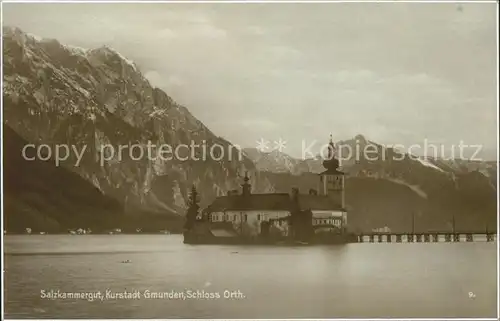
430	237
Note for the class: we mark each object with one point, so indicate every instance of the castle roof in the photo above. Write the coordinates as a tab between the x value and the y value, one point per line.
272	202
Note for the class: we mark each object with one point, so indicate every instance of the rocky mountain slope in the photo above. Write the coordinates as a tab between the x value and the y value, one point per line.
274	161
93	99
96	101
49	198
46	198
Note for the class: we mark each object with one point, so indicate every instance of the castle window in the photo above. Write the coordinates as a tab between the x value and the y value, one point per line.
245	217
258	217
234	217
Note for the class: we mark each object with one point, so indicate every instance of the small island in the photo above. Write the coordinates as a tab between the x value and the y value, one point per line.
274	218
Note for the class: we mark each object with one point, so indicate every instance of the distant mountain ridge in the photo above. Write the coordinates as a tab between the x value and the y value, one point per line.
390	187
280	162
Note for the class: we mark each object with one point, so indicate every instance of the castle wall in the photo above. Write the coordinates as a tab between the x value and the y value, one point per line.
248	222
337	218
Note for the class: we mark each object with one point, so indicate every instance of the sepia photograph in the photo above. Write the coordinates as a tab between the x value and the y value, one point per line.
250	160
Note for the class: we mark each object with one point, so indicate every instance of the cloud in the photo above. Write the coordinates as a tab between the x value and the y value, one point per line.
255	30
260	124
205	30
283	52
158	80
167	33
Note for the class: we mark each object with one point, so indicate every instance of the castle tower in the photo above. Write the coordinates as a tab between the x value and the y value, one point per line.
332	179
246	187
193	207
193	199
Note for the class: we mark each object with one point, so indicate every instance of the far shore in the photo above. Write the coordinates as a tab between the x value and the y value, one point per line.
96	233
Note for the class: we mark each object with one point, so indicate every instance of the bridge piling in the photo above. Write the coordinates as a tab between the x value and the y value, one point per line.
432	237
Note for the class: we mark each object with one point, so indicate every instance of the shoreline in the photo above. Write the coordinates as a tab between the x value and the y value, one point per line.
33	234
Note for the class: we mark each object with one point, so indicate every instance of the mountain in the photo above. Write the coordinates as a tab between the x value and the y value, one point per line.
385	187
40	195
274	161
114	125
48	198
97	101
351	152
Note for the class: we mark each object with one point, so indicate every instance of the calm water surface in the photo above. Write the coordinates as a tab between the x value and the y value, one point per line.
355	280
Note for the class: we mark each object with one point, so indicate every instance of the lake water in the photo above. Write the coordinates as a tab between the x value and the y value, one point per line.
355	280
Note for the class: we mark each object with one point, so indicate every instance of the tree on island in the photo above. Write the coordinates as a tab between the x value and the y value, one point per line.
192	211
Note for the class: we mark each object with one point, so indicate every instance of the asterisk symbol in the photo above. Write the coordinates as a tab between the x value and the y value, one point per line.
262	145
280	145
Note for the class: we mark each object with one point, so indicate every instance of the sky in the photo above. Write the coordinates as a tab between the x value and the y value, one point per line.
397	73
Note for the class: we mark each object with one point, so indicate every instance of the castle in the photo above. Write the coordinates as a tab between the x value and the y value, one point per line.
248	216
